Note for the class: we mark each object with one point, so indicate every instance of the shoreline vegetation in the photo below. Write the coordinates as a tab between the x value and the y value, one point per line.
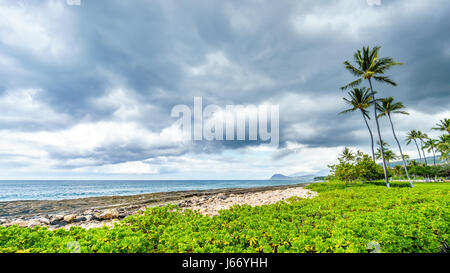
97	211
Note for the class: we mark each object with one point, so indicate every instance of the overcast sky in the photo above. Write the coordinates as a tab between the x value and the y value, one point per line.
86	91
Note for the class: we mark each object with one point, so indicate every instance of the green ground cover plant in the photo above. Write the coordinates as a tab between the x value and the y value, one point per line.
343	218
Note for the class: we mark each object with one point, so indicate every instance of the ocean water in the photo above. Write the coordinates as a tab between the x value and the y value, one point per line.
13	190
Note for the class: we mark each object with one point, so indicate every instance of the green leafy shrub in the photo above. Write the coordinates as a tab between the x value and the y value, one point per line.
361	167
429	170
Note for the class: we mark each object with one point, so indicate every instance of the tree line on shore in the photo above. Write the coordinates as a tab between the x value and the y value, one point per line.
368	66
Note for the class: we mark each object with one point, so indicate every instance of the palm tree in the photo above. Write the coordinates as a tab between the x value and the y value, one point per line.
406	157
413	163
413	136
347	155
443	126
368	66
443	146
360	99
421	137
384	145
359	156
387	106
431	145
397	170
388	154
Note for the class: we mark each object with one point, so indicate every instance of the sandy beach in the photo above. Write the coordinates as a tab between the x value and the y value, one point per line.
100	211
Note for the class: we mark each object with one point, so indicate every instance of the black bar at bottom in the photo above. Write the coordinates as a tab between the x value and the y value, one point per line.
129	263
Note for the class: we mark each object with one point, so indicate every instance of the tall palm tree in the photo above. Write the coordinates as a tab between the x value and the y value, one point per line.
387	106
444	125
421	136
360	99
431	145
369	65
413	136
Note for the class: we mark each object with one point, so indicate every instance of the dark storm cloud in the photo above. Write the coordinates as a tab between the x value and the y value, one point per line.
247	53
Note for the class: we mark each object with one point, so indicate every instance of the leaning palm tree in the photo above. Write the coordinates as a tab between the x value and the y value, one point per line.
369	65
360	99
413	136
431	145
444	125
387	106
421	136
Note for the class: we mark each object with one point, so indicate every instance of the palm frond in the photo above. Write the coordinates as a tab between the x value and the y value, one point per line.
384	79
347	111
401	112
355	71
352	84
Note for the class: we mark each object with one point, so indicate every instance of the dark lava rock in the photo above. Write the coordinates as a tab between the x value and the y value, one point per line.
57	223
80	219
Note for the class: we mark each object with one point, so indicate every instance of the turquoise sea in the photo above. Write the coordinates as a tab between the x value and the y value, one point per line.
12	190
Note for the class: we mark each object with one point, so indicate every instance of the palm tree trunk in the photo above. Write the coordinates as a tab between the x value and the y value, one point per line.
371	137
401	152
420	155
379	134
434	156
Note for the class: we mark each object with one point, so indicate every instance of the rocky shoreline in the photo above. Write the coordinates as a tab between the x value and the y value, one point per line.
105	211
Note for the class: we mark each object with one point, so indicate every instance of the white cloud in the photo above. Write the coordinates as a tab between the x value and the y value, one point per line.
24	106
126	104
242	20
39	29
84	139
219	72
311	160
352	19
133	168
